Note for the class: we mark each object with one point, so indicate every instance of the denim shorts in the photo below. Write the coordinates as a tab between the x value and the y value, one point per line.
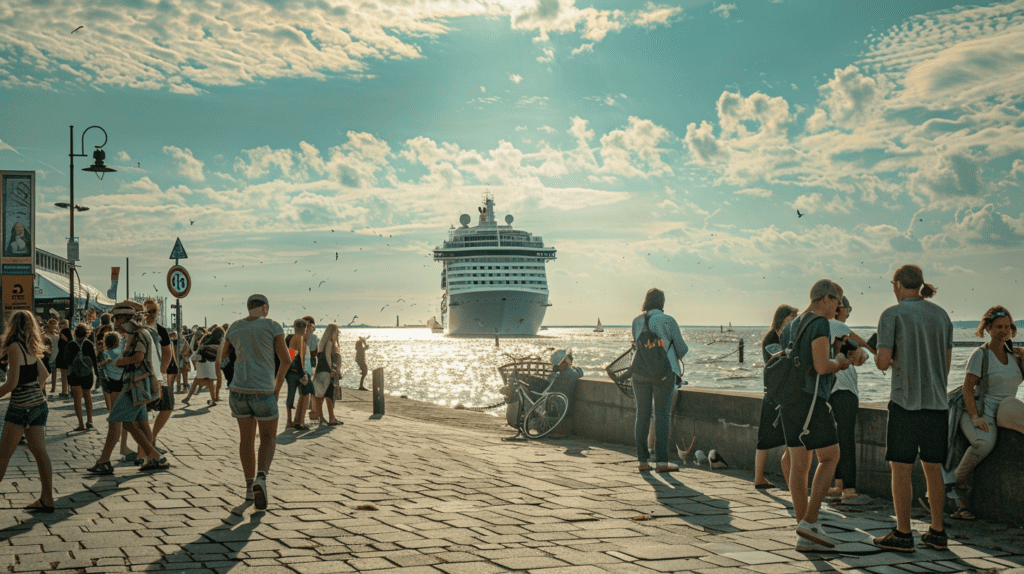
27	416
246	405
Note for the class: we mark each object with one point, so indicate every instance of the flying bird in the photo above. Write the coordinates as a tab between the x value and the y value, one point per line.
354	317
77	29
335	255
798	214
191	222
322	282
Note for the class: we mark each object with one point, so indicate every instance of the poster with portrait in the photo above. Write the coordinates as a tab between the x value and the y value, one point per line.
17	216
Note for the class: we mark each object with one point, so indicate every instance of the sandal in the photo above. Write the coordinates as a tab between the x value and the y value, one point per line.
644	467
963	514
334	423
104	468
38	506
157	464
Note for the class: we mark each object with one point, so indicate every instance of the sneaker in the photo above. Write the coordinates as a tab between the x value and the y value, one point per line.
815	533
804	545
259	491
666	467
897	543
936	540
248	493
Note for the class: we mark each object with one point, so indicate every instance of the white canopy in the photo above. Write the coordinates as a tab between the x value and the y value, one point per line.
49	285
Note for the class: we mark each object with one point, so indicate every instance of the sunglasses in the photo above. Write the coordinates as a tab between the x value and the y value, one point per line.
832	297
997	315
152	312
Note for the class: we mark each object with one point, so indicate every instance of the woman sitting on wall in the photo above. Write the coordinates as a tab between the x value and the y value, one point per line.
987	400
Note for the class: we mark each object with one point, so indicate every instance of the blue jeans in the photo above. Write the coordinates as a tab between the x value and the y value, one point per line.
652	398
246	405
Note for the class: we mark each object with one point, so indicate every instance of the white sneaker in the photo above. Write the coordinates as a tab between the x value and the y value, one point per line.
804	545
815	533
259	491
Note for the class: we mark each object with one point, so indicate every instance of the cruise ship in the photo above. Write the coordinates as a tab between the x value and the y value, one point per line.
494	279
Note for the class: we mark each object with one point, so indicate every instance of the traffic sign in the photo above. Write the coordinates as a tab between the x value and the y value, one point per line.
179	283
179	250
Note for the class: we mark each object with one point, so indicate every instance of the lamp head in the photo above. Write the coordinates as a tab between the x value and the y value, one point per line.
97	166
62	205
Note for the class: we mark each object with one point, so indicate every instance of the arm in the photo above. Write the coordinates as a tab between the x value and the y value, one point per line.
130	360
14	361
95	360
225	349
949	359
822	364
286	361
883	359
861	342
165	357
859	358
970	382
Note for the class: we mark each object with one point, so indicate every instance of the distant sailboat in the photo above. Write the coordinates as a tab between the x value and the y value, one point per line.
599	328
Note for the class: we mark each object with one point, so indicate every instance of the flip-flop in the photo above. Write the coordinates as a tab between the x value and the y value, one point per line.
963	514
857	500
40	508
764	486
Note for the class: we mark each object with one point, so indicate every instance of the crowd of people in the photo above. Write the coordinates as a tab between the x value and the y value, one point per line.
139	365
950	433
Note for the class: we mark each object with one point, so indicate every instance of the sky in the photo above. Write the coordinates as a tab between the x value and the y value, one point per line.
317	151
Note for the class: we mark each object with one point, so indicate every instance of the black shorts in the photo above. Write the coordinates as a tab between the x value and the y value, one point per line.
164	403
362	369
909	433
821	432
112	385
172	369
85	383
769	430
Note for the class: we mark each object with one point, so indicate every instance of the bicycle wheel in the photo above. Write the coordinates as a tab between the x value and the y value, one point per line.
545	415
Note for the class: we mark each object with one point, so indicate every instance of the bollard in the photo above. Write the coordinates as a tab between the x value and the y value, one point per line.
378	391
741	349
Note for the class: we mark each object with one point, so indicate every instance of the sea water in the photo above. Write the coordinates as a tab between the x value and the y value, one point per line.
453	371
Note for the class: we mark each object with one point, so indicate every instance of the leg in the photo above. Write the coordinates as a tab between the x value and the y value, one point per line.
902	493
330	409
139	434
643	394
760	459
87	394
8	444
936	493
247	446
268	444
828	458
845	405
77	392
192	391
215	391
290	399
64	382
786	465
161	419
800	469
318	408
300	411
37	446
114	431
662	419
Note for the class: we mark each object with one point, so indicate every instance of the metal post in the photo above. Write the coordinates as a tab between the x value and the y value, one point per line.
127	279
71	191
741	349
378	391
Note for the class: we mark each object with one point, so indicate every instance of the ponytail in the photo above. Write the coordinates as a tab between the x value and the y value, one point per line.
928	290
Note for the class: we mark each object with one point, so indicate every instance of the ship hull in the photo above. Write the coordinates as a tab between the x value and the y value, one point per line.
501	312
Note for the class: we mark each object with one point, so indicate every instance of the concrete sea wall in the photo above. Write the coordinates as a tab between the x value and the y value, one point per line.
727	422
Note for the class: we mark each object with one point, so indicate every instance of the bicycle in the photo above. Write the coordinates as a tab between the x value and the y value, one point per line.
539	412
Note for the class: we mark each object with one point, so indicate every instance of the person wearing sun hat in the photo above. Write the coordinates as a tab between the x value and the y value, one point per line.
141	365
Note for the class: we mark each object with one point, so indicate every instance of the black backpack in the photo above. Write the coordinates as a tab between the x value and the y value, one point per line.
651	358
784	371
81	365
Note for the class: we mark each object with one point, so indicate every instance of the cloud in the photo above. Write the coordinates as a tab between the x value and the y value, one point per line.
483	90
583	48
634	151
6	147
547	129
755	192
188	166
723	9
516	78
123	156
548	57
521	128
655	14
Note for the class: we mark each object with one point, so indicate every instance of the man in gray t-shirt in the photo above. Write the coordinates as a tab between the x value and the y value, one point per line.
255	390
915	338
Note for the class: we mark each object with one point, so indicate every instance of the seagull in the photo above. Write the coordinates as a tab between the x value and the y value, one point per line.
354	317
77	29
798	214
191	222
335	255
322	282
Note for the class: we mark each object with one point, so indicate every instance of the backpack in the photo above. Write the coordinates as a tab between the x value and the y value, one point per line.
651	359
784	372
81	366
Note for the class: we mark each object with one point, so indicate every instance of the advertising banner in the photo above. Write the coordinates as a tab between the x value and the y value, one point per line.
17	220
17	294
112	292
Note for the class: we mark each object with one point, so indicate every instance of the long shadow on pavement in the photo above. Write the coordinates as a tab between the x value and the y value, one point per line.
218	547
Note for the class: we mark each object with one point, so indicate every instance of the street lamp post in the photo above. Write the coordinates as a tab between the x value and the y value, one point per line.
99	169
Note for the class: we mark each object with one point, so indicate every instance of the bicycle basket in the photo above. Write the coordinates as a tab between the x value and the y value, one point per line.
620	372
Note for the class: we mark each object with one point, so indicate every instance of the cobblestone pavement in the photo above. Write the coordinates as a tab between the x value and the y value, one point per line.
450	497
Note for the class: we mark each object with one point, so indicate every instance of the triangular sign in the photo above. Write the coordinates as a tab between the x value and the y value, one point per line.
179	250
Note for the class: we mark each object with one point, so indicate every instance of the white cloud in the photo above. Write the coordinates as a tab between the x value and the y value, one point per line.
548	57
723	9
521	128
547	129
583	48
516	78
188	166
123	156
634	151
655	14
609	100
6	147
483	90
754	191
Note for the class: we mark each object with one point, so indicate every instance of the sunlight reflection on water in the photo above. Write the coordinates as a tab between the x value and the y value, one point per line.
449	371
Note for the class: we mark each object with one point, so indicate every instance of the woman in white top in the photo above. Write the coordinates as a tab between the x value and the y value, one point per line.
327	374
998	407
